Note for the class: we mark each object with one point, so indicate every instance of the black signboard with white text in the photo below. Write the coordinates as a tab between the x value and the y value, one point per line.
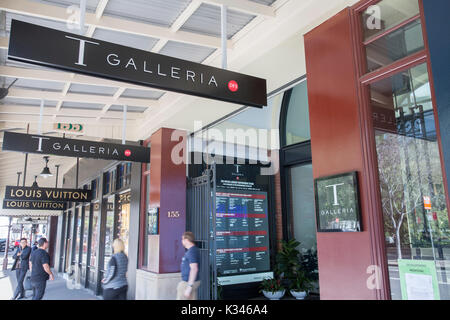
47	194
33	205
337	203
71	52
33	143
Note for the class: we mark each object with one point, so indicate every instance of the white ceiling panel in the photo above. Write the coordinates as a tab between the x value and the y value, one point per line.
27	102
186	51
33	84
129	108
80	105
97	90
157	12
206	20
142	94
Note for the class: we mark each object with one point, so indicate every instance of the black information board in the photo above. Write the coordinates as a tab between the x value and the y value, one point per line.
242	231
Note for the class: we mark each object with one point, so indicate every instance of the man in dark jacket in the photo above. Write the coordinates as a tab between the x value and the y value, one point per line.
23	255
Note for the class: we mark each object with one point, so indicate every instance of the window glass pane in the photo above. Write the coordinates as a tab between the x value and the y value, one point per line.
297	118
394	46
123	220
76	255
415	214
387	14
94	239
109	232
87	216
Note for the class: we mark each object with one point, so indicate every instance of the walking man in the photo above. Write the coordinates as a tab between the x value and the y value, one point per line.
40	269
23	255
190	265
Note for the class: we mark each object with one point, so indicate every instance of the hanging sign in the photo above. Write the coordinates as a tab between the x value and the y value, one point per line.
31	143
47	194
33	205
34	44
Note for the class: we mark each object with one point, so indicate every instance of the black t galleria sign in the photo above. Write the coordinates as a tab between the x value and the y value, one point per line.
337	203
52	48
47	194
32	143
33	205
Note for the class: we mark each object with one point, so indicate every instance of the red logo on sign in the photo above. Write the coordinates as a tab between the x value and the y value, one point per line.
233	86
127	153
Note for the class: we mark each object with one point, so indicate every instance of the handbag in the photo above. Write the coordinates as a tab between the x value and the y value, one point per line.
27	283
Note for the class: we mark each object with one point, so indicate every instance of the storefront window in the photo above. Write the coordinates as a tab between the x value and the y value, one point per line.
76	253
123	175
296	126
109	182
94	239
416	222
87	217
392	30
109	231
123	220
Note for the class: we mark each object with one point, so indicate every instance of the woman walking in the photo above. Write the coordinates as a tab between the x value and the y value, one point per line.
115	283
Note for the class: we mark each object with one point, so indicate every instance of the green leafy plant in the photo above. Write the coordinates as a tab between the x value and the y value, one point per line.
287	260
271	285
301	282
309	264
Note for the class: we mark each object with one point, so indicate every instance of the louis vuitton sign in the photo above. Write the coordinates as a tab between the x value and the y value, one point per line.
47	194
32	143
33	205
35	44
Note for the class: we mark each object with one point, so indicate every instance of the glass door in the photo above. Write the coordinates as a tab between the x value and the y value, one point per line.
301	216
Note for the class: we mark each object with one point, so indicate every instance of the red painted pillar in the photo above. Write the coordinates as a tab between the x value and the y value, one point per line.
168	192
337	145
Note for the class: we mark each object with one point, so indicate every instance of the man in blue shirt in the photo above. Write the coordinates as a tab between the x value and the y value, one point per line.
190	265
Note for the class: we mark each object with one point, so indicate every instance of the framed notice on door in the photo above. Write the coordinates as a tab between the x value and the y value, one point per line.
337	203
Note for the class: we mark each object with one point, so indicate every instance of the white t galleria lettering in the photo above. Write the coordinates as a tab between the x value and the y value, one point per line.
336	212
174	72
85	149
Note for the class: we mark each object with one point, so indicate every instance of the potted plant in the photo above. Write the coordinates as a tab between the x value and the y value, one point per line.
300	286
272	289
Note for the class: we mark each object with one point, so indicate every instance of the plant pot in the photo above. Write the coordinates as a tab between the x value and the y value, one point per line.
299	295
277	295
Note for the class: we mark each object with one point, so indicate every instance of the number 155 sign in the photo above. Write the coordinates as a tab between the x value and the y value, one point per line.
68	127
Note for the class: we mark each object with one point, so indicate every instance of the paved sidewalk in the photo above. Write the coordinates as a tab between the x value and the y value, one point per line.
56	290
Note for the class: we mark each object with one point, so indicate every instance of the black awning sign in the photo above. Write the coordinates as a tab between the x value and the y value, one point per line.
34	44
47	194
33	205
33	143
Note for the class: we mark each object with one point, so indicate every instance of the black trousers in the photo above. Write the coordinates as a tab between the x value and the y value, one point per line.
115	294
38	289
20	276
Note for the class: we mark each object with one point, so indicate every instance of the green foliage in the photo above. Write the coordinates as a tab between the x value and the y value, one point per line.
309	264
287	260
271	285
301	282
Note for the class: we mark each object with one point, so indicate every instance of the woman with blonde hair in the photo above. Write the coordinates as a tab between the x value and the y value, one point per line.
115	283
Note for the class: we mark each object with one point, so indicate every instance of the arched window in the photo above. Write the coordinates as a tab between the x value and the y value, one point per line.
295	116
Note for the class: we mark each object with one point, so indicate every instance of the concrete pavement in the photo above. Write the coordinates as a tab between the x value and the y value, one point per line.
56	290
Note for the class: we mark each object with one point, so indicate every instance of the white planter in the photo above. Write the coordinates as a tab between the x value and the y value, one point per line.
299	295
274	296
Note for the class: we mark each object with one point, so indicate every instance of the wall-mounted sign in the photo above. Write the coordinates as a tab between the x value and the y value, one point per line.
47	194
32	143
152	218
418	280
33	205
68	127
71	52
337	203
